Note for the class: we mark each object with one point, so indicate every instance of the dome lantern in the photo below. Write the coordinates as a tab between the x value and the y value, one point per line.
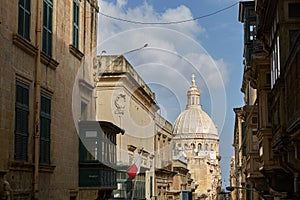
193	94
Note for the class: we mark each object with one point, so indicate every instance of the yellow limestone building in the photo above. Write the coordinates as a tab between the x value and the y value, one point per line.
196	138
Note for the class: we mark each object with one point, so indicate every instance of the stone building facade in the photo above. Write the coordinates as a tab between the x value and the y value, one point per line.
271	54
44	45
196	138
238	178
183	185
123	98
278	30
164	173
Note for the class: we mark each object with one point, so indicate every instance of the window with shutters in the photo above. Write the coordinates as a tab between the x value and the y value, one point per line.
24	18
243	147
97	154
21	122
275	61
47	27
45	124
293	10
75	24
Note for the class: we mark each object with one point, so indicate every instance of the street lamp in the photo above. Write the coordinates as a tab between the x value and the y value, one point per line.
145	45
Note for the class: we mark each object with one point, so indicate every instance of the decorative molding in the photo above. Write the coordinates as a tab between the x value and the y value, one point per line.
20	166
144	152
120	102
24	44
26	166
46	168
48	61
131	147
78	54
86	85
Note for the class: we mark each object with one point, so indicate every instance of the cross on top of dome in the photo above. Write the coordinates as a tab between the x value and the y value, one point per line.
193	86
193	80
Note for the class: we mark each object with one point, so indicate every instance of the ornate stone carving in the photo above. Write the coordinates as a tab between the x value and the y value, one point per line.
120	102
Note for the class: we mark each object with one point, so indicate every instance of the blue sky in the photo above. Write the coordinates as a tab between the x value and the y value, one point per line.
210	47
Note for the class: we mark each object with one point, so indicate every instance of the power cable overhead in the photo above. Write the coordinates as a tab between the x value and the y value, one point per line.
171	22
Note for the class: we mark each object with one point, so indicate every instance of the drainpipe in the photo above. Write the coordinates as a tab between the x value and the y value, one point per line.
37	87
84	36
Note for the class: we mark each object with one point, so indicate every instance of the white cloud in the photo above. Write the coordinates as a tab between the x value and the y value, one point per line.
143	13
121	3
174	52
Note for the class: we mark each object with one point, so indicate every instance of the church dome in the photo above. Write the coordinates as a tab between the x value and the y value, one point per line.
193	120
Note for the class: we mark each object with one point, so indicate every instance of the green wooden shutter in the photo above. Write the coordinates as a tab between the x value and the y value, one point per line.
21	122
24	18
45	124
244	153
47	27
75	23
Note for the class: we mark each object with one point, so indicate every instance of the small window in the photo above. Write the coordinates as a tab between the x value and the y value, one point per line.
45	124
294	10
47	27
199	147
254	120
24	18
252	32
186	146
206	147
293	36
275	61
268	78
269	101
83	111
193	146
21	122
75	24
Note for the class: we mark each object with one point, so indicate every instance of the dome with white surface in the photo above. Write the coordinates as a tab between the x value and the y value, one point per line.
193	121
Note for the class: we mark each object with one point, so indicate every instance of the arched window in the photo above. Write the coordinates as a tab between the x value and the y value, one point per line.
186	146
179	147
199	147
206	147
193	146
211	147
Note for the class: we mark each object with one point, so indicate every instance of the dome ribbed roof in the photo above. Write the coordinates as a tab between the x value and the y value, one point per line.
193	120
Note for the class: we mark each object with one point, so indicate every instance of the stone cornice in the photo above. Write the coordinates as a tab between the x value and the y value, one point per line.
48	61
24	44
78	54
